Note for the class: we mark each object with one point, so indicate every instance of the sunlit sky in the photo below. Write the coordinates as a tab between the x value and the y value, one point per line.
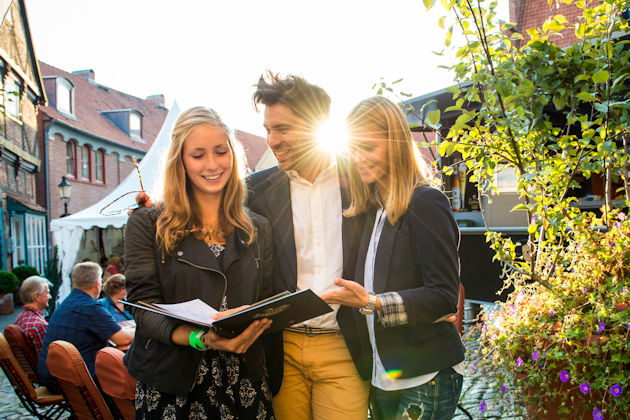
212	52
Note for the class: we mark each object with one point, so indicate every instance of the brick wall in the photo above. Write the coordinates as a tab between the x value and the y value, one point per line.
534	13
84	192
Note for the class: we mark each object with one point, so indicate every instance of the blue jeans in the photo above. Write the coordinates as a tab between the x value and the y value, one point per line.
435	400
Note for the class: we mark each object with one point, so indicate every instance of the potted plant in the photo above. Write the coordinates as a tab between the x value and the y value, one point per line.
554	116
22	271
8	283
52	272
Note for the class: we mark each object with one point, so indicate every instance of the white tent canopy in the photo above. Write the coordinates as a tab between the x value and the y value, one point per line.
67	231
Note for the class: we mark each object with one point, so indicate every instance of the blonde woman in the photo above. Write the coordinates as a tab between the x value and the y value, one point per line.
199	242
407	273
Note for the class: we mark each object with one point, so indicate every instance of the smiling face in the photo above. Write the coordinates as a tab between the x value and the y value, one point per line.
368	152
41	299
288	136
207	158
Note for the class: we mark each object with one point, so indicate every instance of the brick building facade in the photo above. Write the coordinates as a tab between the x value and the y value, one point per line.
529	14
89	134
23	222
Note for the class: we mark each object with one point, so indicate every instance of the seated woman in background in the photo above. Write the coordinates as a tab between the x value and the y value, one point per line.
115	266
407	273
114	289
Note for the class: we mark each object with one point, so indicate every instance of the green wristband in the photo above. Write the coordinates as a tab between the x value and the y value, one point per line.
195	340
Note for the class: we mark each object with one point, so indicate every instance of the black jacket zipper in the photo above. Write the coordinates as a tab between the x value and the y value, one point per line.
222	298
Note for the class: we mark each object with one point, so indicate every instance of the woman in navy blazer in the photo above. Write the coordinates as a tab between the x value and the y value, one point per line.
407	276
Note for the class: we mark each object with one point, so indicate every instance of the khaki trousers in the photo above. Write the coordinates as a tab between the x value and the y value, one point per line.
320	380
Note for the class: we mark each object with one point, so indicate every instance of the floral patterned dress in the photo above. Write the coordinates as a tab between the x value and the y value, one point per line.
221	390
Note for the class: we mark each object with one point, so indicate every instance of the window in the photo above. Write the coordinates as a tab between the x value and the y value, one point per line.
65	99
17	240
135	125
12	98
99	168
71	159
36	241
28	236
85	162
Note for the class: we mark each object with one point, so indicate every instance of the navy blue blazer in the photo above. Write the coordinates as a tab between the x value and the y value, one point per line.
270	196
417	257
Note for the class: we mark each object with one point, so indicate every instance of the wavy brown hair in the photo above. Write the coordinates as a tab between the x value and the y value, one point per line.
407	169
179	213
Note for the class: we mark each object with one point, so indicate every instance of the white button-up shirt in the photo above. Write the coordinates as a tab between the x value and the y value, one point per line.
317	217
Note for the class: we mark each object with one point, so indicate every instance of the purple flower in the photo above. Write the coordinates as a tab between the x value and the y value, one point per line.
611	244
551	312
617	225
624	290
484	329
585	387
600	327
597	414
621	216
503	388
616	391
535	355
564	376
519	362
583	290
474	366
482	407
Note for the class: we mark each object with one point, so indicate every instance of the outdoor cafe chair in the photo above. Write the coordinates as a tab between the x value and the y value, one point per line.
38	401
67	366
22	350
115	381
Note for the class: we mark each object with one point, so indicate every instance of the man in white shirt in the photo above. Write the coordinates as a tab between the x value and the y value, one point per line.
303	198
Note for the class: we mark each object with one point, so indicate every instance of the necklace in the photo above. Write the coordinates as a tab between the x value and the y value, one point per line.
211	234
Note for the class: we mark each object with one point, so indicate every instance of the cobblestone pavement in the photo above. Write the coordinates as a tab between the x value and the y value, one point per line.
477	387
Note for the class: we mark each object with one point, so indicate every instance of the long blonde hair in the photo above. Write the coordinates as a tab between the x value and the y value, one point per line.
407	169
179	214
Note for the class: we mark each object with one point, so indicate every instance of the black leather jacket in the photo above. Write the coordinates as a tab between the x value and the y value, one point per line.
154	276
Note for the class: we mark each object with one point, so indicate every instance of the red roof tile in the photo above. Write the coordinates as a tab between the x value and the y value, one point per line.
254	146
90	99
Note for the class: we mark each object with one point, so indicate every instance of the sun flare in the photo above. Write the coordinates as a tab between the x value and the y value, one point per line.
332	136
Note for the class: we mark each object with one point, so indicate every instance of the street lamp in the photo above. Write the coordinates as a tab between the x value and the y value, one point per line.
64	194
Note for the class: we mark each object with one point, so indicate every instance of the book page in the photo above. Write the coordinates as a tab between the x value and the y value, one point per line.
196	310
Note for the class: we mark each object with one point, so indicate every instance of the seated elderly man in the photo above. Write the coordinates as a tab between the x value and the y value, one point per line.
82	321
35	295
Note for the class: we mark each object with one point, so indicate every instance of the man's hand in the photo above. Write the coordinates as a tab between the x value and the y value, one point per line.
123	336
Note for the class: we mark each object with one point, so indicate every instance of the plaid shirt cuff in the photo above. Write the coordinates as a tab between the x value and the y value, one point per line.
393	313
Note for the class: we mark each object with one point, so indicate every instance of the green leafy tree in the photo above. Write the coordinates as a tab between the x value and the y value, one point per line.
53	273
551	114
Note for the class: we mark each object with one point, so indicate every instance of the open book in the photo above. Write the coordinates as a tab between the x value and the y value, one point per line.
284	309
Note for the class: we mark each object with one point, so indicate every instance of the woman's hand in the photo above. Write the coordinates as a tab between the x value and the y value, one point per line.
241	342
350	293
223	314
